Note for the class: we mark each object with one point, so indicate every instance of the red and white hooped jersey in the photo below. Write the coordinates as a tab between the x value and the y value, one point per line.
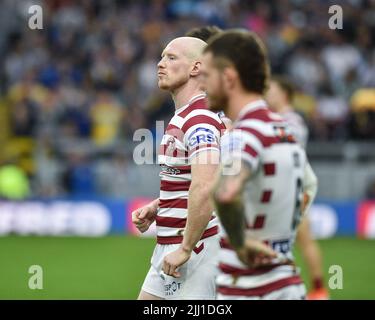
272	199
192	129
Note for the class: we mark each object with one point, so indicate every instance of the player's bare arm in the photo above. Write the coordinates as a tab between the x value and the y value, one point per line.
143	217
310	186
227	198
203	168
227	194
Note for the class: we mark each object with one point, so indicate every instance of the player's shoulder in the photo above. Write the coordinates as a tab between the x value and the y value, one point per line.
262	120
261	115
197	106
294	118
198	114
263	128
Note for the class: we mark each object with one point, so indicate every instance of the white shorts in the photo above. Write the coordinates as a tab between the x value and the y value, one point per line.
197	281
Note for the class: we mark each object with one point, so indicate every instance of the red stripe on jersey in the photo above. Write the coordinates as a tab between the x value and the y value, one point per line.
269	169
178	239
174	185
172	222
198	104
248	149
266	196
187	169
262	114
171	127
202	119
173	203
226	268
261	290
264	140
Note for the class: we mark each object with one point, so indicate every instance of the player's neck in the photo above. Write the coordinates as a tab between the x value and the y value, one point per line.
182	95
285	108
238	101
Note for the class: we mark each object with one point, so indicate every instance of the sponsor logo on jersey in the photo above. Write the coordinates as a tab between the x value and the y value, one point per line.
201	135
170	170
171	288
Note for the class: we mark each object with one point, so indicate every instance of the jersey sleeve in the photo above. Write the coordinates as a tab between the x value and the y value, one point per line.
202	133
240	145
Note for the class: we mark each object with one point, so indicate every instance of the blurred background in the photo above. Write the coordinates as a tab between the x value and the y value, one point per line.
73	93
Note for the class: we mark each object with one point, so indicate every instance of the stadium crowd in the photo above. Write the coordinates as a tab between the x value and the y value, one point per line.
73	93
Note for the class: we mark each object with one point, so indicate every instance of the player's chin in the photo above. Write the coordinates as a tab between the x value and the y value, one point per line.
163	85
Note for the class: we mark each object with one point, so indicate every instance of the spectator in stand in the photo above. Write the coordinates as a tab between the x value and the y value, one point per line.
113	44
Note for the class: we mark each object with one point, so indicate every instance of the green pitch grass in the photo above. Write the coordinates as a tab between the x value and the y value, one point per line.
114	267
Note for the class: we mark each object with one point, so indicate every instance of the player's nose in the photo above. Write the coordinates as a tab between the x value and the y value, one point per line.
161	64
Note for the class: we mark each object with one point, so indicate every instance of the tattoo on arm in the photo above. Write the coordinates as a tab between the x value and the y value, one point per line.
233	221
229	205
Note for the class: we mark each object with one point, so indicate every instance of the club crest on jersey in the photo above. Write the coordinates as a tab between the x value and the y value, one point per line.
171	145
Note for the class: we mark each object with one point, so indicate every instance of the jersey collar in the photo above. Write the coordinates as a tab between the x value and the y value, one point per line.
191	101
257	104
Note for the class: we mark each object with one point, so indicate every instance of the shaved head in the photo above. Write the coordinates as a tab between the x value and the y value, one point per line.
190	47
180	62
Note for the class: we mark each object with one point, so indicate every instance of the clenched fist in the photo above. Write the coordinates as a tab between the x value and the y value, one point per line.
143	217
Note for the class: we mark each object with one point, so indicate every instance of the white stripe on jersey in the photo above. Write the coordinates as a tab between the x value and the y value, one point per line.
168	232
168	195
252	107
175	178
201	112
172	213
173	161
205	149
258	125
252	140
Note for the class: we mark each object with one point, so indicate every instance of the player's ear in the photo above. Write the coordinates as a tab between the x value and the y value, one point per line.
196	69
229	77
